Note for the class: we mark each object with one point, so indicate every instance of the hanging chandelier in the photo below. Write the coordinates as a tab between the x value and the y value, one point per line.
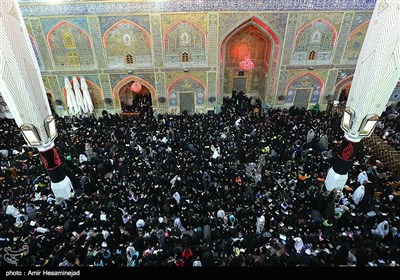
136	87
246	64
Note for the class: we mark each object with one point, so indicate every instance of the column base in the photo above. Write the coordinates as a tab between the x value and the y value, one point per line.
63	189
335	181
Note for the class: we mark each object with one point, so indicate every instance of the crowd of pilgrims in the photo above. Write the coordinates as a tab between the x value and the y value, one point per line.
141	103
388	127
244	187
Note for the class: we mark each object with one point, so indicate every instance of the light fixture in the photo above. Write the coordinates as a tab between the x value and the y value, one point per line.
31	135
136	87
347	120
368	124
246	64
50	125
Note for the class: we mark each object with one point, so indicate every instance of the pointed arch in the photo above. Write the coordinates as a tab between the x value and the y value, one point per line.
312	55
297	84
131	78
255	21
198	28
276	49
320	82
180	85
318	32
185	57
125	21
182	78
357	29
304	28
339	85
129	59
69	41
65	23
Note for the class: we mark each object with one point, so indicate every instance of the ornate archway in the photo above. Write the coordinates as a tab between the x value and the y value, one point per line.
255	40
307	84
70	46
186	84
129	80
344	84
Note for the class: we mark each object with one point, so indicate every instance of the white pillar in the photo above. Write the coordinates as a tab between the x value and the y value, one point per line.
22	89
377	73
21	82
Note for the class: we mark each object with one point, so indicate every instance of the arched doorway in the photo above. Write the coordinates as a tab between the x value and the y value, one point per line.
342	90
135	101
144	100
252	40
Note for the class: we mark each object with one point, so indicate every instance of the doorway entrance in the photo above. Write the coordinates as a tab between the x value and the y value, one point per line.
301	98
186	102
135	102
254	41
239	84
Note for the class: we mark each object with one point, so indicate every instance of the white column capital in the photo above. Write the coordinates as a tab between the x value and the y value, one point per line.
46	146
353	138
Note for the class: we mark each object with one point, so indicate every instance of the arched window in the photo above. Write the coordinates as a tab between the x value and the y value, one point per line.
69	41
73	59
185	57
129	59
312	55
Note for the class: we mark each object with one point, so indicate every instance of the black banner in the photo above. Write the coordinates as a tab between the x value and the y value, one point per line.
344	157
52	162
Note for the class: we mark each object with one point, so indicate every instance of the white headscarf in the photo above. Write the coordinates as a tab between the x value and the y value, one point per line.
221	213
362	177
260	224
298	244
310	136
82	158
383	229
140	223
177	197
197	263
12	210
358	194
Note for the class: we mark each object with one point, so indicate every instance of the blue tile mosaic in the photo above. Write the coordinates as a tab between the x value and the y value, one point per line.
109	8
49	23
107	22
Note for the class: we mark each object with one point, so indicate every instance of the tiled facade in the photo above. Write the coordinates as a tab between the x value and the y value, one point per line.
93	8
156	33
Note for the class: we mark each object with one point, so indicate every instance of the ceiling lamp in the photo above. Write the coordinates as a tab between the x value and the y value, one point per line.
246	64
136	87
